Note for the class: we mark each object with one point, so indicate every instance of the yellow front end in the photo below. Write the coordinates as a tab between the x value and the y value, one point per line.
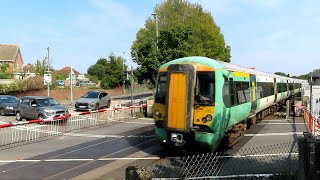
177	102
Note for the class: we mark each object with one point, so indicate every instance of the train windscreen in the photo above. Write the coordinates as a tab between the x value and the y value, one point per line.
160	96
205	89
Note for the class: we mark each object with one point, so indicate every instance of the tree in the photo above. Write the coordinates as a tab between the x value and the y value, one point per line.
41	66
185	29
108	71
3	72
282	74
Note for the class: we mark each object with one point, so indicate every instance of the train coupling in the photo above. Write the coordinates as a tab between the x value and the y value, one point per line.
177	139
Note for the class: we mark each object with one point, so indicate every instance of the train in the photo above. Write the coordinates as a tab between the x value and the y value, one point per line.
202	102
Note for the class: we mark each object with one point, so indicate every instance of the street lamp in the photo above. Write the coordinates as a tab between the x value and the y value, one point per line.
124	80
48	83
157	31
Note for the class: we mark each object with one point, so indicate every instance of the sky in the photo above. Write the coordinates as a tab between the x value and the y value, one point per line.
272	36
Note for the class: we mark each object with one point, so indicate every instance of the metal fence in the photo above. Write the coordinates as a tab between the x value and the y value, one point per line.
280	161
20	133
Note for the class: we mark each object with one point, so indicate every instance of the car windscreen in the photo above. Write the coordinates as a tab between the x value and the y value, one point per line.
47	102
92	95
9	99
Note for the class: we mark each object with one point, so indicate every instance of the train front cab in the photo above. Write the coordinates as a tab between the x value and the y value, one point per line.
184	105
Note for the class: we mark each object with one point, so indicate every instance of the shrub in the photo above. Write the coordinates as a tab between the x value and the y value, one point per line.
34	83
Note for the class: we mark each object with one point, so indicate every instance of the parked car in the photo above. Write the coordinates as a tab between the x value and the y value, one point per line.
93	100
60	82
8	104
39	107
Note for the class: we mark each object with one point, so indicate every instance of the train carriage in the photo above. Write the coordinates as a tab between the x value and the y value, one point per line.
199	101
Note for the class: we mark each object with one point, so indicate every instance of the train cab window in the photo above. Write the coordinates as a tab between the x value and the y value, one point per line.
205	88
161	91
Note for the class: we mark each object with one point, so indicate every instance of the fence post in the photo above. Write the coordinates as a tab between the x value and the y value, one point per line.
304	156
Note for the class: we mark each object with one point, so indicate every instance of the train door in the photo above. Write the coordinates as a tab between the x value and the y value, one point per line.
253	81
180	97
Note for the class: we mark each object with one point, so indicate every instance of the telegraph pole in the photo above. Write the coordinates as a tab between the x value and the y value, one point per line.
124	80
48	70
71	85
131	86
157	31
311	97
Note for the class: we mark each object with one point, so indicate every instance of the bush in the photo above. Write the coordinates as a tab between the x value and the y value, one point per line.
6	76
34	83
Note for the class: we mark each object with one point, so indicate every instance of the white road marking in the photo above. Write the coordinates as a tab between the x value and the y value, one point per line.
68	160
92	135
131	122
142	158
139	158
104	136
64	160
275	134
288	123
275	120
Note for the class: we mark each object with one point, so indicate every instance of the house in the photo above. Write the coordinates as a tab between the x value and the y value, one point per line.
67	71
10	56
28	71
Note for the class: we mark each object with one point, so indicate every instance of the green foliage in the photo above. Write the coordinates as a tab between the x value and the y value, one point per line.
56	77
282	74
108	72
316	71
184	30
3	72
6	76
41	66
307	76
23	85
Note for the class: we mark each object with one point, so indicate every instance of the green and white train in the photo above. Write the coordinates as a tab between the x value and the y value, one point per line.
200	101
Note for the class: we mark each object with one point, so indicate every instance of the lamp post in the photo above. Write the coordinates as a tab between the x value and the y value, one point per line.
157	31
124	80
48	49
71	85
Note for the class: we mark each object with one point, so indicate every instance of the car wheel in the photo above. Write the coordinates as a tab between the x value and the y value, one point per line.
2	112
109	103
97	107
40	117
18	116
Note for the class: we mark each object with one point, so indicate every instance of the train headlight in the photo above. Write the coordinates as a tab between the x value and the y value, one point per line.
209	117
204	120
157	113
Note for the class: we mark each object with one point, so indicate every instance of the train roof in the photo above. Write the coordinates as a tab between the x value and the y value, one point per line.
224	65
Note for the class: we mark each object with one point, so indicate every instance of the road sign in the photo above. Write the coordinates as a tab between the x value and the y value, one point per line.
47	79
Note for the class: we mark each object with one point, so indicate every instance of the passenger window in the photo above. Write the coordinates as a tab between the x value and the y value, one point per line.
25	102
243	92
33	102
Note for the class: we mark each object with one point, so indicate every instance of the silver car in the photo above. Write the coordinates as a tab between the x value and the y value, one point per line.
93	100
38	107
8	104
